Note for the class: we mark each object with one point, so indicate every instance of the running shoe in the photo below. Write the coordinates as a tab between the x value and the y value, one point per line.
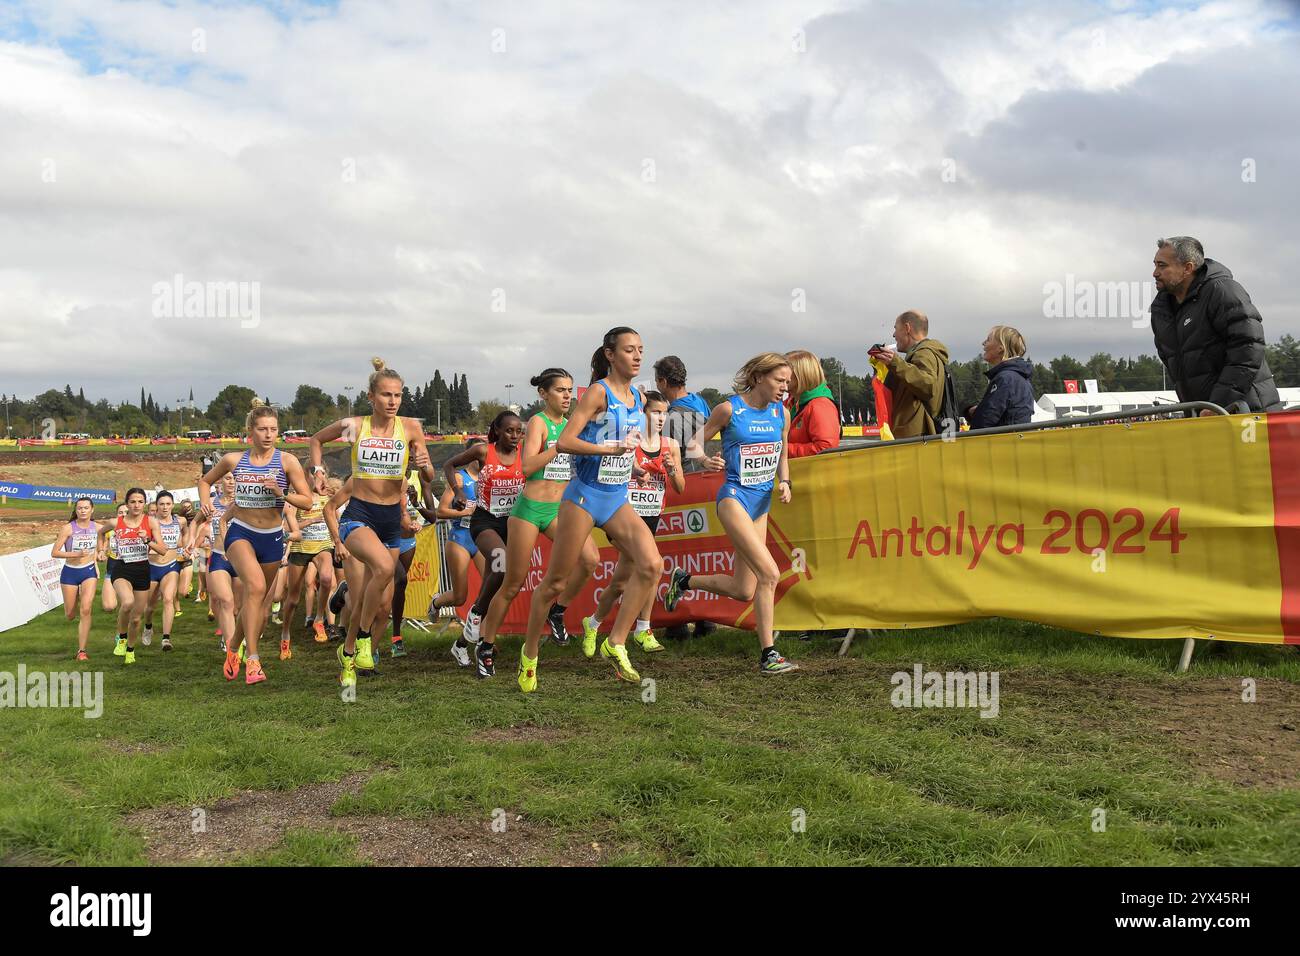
253	673
470	630
275	619
211	616
646	641
318	629
589	636
399	649
119	647
82	656
338	596
167	644
434	611
773	663
243	653
334	632
485	657
365	659
231	667
128	657
275	607
527	673
445	624
675	589
179	612
203	596
460	653
286	653
147	637
616	654
559	636
348	676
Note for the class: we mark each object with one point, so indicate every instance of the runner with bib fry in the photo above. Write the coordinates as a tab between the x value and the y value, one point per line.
536	511
498	485
602	435
77	544
754	426
383	446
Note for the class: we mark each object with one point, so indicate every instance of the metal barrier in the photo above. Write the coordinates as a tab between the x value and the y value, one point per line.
1192	409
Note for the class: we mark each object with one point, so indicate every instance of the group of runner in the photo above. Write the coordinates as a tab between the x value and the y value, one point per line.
600	463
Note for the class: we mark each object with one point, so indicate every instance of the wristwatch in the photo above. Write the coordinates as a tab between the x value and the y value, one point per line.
786	481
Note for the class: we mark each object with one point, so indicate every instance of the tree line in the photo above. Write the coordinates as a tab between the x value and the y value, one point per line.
446	406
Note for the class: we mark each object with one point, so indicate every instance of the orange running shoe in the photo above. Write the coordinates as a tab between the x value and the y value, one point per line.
231	667
285	653
253	671
319	629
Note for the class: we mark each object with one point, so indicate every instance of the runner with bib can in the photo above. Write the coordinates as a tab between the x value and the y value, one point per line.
754	426
658	465
77	544
602	435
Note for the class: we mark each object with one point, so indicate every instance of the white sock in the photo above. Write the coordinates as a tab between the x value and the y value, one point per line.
595	617
642	625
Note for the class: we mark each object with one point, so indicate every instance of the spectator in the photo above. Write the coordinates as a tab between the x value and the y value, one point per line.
687	413
917	370
1009	398
1209	335
815	422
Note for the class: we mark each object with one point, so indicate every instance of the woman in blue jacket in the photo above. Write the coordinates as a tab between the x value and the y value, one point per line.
1009	398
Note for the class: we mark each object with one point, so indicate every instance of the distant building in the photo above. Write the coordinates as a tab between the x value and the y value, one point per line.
1056	405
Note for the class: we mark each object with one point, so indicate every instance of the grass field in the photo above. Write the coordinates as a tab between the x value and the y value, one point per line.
716	770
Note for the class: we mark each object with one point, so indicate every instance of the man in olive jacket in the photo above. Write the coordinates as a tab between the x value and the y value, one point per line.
1209	334
916	375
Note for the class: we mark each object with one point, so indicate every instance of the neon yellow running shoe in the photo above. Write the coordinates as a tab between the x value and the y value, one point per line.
589	636
365	657
527	673
646	641
616	654
348	676
119	647
243	654
128	657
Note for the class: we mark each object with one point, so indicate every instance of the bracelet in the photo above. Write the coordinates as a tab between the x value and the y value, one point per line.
786	481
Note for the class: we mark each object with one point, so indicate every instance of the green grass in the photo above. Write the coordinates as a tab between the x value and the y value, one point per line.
709	773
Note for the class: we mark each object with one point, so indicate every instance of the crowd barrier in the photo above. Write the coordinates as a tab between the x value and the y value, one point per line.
1164	529
29	586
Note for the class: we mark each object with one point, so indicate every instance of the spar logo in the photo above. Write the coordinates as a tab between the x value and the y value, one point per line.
38	585
686	521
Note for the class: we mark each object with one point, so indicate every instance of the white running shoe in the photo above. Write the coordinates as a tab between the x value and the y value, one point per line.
460	654
147	638
470	630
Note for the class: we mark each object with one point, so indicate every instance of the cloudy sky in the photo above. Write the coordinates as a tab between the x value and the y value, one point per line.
487	187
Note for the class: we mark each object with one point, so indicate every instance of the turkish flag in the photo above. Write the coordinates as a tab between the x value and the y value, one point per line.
1071	386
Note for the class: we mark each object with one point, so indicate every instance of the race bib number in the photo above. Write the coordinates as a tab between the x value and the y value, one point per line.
132	549
560	468
171	536
251	493
647	502
381	457
502	499
758	463
316	531
83	543
464	523
615	469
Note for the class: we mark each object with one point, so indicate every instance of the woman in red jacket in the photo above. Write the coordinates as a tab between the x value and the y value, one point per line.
815	419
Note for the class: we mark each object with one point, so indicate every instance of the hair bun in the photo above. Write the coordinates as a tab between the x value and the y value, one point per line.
378	363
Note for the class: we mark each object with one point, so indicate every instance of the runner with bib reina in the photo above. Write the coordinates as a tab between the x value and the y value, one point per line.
754	426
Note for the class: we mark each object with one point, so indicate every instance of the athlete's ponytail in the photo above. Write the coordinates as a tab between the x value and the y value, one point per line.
599	360
494	430
381	372
258	410
548	378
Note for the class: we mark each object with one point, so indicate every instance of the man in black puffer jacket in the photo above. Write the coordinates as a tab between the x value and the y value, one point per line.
1208	333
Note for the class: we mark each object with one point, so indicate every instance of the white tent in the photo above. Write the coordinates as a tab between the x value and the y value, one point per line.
1054	405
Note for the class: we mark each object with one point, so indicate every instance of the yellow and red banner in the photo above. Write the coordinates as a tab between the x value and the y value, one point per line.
1183	528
